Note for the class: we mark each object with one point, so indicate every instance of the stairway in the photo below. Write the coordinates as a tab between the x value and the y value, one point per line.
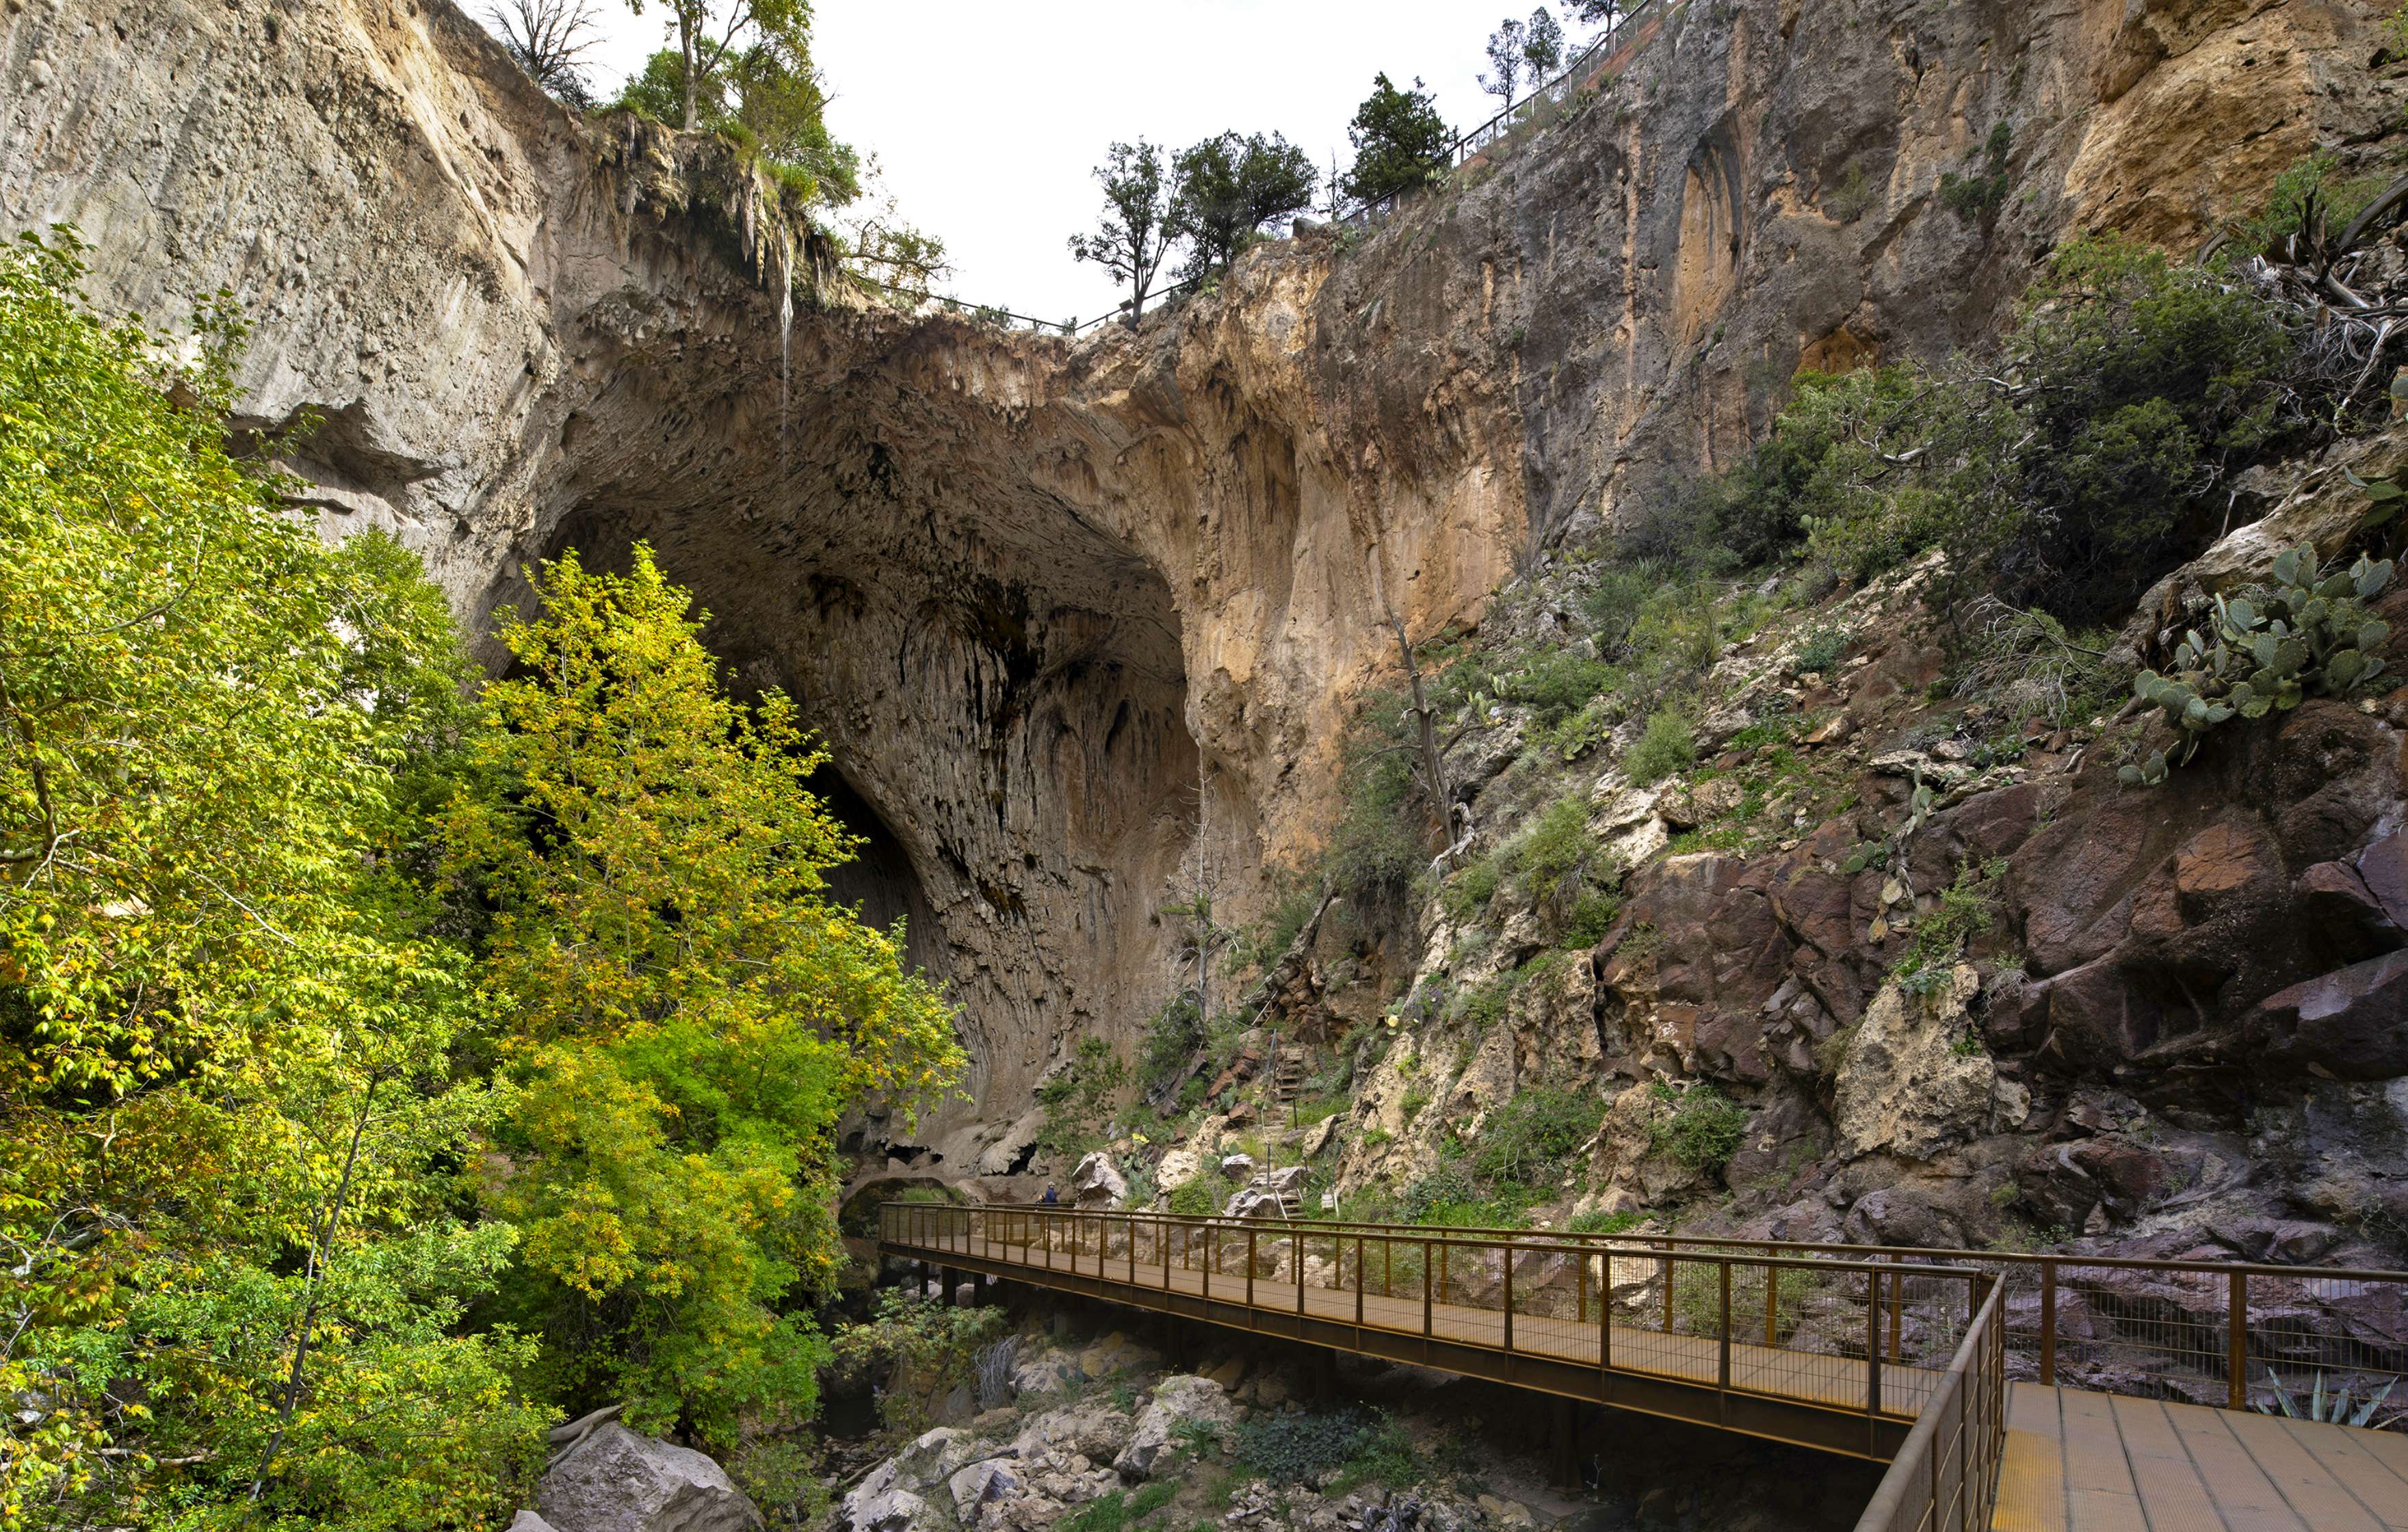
1287	1074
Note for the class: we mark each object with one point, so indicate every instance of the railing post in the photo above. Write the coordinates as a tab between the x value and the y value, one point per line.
1359	1275
1296	1243
2237	1344
1667	1247
1509	1297
1425	1296
1872	1354
1723	1267
1604	1316
2048	1322
1896	1300
1579	1299
1250	1278
1772	1303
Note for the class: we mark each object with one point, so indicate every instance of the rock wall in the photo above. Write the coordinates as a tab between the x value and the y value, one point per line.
1076	619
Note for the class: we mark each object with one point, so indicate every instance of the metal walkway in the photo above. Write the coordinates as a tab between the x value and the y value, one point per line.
1898	1357
2080	1462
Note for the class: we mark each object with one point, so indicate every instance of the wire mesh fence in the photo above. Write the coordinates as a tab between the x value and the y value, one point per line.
1800	1318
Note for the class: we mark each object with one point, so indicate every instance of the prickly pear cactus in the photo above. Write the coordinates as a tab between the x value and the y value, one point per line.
2308	634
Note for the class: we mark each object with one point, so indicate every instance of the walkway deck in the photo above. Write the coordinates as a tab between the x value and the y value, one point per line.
1792	1395
2078	1461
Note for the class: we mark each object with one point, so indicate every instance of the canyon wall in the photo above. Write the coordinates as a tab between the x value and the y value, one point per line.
1081	620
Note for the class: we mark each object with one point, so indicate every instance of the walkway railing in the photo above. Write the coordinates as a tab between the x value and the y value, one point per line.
1945	1479
1862	1340
2238	1335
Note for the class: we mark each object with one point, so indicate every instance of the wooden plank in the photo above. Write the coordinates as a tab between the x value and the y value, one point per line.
2172	1494
2317	1497
2389	1447
2347	1455
2031	1475
2241	1492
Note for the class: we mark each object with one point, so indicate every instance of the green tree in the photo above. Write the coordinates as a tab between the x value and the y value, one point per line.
712	34
689	1014
228	1120
1135	234
769	95
1228	187
1401	141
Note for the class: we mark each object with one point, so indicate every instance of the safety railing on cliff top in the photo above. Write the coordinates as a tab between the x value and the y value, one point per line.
1626	30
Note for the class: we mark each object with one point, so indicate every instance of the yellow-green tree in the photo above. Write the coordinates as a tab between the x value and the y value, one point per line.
689	1014
229	1124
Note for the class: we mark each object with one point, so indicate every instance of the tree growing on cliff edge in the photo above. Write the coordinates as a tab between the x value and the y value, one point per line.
1401	141
712	34
1228	188
1519	50
1135	232
550	39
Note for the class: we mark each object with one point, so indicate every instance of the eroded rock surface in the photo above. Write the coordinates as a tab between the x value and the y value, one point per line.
1074	617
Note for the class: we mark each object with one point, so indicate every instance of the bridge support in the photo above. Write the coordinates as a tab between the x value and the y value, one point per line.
1325	1375
949	1284
1564	1437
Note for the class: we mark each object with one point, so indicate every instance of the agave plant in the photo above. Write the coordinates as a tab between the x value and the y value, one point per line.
2340	1407
2309	634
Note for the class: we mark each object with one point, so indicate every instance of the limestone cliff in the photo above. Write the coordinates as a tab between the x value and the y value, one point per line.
1075	615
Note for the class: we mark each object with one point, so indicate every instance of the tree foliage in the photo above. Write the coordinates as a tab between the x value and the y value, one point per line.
292	935
228	1117
1401	141
1136	232
713	34
1523	52
689	1012
1229	187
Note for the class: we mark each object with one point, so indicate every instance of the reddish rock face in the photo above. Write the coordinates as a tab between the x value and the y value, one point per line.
2350	1024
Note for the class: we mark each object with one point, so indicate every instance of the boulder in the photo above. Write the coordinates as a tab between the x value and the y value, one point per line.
1098	1183
881	1504
1175	1399
1908	1085
1240	1166
982	1484
528	1521
1178	1167
2351	1024
618	1480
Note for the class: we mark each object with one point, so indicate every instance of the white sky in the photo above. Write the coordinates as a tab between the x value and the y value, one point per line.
989	119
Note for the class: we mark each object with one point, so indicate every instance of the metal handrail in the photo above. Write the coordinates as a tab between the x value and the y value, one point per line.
1920	1493
1653	1243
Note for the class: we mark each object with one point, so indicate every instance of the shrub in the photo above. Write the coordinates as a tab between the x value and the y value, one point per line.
1296	1449
1556	684
1468	893
1665	747
1078	1100
1704	1130
1172	1039
1556	846
1531	1138
1598	1221
1592	916
1204	1196
1820	651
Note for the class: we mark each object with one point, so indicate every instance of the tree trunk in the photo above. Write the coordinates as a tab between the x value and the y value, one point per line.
685	46
320	1251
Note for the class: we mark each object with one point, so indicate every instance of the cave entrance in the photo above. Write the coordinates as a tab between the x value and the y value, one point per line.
879	882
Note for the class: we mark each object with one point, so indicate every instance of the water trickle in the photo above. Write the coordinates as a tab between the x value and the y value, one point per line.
785	340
